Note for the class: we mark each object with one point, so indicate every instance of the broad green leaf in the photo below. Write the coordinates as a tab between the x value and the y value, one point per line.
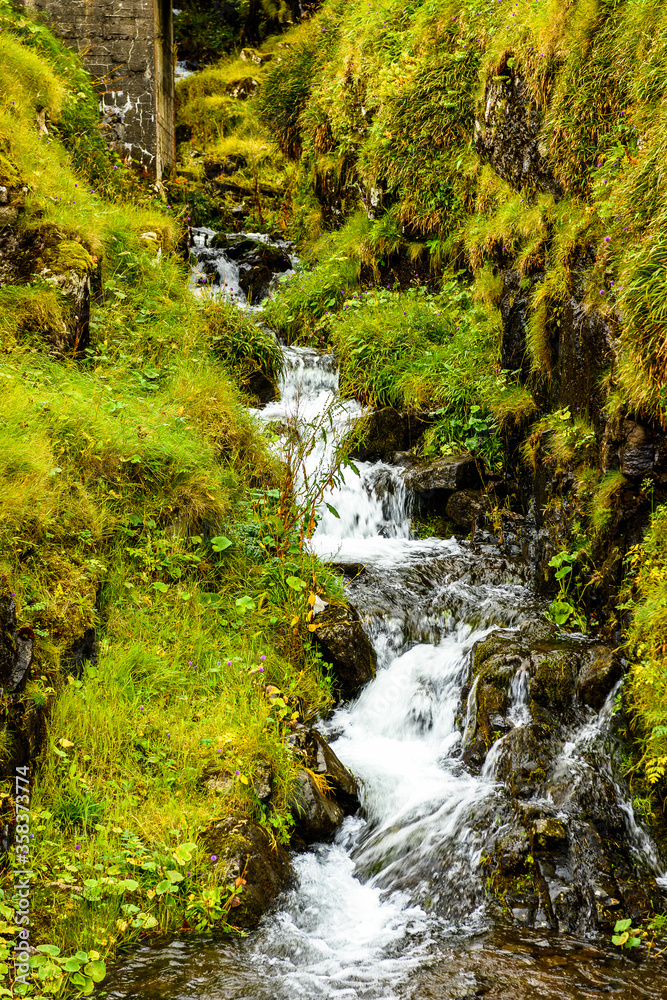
48	949
220	543
96	970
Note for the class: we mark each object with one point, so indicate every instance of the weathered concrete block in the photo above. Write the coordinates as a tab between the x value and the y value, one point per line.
128	48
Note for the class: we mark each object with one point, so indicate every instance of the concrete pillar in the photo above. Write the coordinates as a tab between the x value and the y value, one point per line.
128	47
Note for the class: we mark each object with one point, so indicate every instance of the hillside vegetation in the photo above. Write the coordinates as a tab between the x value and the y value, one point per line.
140	504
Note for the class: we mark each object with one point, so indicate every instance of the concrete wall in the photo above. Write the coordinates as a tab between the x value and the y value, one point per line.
128	47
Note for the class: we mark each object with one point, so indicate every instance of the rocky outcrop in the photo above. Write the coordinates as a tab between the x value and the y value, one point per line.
444	487
562	856
386	431
243	850
15	647
598	675
326	790
507	132
345	645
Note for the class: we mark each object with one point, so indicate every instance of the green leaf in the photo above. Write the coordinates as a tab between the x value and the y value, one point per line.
84	983
220	543
48	949
129	884
183	853
211	601
96	970
622	925
332	510
162	588
295	583
162	887
71	965
174	876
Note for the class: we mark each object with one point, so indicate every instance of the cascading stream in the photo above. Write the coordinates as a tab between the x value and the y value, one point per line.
376	912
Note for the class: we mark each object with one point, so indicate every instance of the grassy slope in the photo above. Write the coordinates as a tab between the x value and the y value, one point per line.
137	497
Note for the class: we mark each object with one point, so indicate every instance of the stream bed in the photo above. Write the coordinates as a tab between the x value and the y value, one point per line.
395	906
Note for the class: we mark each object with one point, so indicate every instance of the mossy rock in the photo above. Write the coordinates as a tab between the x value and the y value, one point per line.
553	683
70	256
244	850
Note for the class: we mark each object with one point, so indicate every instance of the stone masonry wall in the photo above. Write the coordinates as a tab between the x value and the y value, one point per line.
127	46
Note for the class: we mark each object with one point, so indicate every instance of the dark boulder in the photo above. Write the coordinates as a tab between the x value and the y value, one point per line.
244	850
466	509
242	89
600	670
433	483
16	646
316	816
386	431
320	759
345	645
261	387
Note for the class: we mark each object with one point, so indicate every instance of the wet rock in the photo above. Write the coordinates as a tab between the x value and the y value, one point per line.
320	759
244	850
637	453
16	646
386	431
600	670
547	834
255	281
261	387
346	646
507	133
316	817
444	475
553	682
466	509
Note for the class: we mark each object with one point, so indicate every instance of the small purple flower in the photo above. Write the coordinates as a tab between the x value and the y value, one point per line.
169	735
237	771
262	657
78	847
141	708
218	750
214	857
261	670
229	663
602	291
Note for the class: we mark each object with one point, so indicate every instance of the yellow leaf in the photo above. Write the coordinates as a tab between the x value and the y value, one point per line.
312	599
294	621
311	628
243	779
65	743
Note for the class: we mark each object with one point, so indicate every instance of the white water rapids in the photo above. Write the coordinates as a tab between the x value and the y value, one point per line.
403	881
